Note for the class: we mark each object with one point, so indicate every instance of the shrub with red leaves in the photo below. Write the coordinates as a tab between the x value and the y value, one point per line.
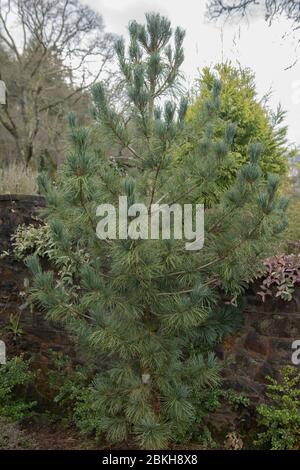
281	275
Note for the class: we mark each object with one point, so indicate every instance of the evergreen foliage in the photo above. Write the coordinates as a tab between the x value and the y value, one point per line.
15	376
147	311
254	122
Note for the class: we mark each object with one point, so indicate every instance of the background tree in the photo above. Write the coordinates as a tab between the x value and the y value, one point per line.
270	9
149	311
51	52
292	190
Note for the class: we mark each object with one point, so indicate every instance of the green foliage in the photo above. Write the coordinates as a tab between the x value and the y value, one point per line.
292	190
293	232
253	122
67	385
15	376
149	312
29	239
14	326
206	439
90	409
236	400
41	241
280	418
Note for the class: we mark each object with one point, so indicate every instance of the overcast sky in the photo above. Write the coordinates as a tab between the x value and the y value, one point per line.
253	44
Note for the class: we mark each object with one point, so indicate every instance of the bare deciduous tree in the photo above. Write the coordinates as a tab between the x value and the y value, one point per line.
271	8
51	52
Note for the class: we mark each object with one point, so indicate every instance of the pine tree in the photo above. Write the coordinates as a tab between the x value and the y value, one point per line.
149	310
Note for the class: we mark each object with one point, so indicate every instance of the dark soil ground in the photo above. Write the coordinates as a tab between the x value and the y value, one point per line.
40	436
35	436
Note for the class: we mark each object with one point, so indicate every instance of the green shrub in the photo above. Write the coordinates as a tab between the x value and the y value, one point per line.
291	189
206	439
28	240
15	376
253	122
235	400
280	418
293	231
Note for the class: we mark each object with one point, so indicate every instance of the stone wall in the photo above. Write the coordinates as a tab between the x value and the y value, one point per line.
39	335
263	345
260	348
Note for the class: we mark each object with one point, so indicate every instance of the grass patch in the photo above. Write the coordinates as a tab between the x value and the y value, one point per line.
16	179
